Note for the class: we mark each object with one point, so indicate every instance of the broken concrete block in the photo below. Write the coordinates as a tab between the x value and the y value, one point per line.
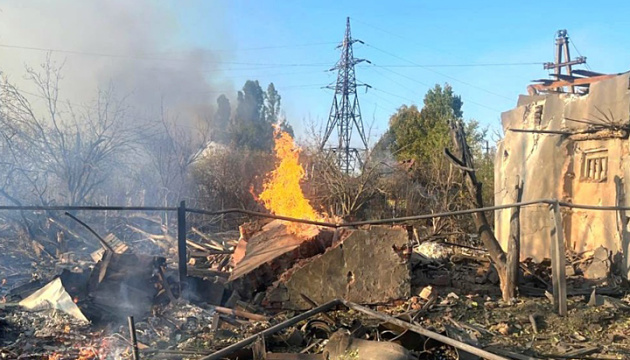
600	267
367	266
274	249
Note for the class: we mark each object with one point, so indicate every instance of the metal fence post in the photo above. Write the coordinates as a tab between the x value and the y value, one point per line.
181	245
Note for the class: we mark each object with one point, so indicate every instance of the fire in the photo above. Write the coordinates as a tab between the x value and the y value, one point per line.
282	194
87	354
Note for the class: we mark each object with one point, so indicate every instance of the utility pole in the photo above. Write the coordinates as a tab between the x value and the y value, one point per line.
345	113
562	47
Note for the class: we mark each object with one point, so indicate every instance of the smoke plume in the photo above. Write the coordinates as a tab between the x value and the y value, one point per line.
130	46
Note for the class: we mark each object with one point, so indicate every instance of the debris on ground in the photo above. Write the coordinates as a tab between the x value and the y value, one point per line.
244	288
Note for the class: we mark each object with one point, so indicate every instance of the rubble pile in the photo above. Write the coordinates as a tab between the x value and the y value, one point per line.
268	292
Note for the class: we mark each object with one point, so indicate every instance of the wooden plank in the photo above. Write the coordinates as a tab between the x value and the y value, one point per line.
561	83
240	313
514	248
213	243
558	262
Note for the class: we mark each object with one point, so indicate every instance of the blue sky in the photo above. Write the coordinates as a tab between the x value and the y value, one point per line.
412	46
406	33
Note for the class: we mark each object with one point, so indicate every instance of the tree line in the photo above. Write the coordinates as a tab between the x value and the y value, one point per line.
55	152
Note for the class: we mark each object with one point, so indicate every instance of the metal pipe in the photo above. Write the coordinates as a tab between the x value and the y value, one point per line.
272	330
103	242
181	247
422	331
265	215
76	208
321	223
450	213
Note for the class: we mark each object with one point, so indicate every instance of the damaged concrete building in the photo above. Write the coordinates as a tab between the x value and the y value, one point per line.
574	147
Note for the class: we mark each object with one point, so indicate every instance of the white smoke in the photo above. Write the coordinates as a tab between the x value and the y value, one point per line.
133	47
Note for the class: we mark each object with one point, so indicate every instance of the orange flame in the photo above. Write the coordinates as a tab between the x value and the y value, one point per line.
282	194
87	354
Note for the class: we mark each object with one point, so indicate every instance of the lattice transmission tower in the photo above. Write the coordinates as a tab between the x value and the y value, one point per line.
345	113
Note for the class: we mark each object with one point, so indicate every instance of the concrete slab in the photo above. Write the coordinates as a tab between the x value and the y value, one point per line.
367	266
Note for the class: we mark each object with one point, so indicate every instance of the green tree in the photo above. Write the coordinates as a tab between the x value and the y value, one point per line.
417	138
422	134
250	128
272	104
222	119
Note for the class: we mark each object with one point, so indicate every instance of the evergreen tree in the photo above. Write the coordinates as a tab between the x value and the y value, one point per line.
222	120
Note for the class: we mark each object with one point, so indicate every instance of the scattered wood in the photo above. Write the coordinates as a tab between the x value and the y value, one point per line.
241	313
213	243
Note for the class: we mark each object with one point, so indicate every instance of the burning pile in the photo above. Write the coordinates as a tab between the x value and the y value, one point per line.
283	260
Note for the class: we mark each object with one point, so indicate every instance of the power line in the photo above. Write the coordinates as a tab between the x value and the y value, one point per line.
439	73
394	95
402	37
422	83
152	58
466	65
579	53
392	80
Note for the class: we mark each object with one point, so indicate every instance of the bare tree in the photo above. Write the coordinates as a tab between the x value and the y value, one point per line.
59	154
172	147
506	264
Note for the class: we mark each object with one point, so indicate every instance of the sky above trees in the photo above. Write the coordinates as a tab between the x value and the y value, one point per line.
412	45
405	33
